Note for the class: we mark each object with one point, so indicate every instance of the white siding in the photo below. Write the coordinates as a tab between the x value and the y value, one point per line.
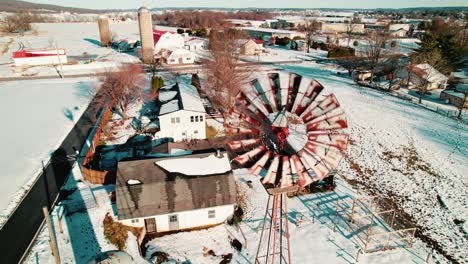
43	60
183	128
186	219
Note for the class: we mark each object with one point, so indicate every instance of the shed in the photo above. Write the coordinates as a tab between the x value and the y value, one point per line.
40	57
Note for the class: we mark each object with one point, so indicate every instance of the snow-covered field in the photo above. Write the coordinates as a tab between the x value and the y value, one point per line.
80	40
37	116
409	154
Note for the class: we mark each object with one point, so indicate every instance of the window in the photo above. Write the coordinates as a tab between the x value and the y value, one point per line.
172	120
201	118
177	119
196	118
173	218
135	220
183	134
211	213
195	132
172	60
189	58
192	118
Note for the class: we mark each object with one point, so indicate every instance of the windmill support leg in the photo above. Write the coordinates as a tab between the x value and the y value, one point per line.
278	231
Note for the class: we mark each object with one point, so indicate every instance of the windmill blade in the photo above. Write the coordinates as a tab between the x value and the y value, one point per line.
265	90
272	173
286	174
243	144
242	99
293	89
273	79
245	115
230	129
254	98
312	89
250	155
329	156
339	141
328	121
303	177
260	164
316	169
318	109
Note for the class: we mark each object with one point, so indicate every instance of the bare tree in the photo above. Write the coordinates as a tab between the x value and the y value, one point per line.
309	27
16	22
350	28
374	51
120	88
351	63
224	74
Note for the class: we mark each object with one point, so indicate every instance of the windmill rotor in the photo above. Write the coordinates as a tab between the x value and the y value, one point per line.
290	131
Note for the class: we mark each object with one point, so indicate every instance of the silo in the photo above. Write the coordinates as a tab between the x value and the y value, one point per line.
104	30
146	35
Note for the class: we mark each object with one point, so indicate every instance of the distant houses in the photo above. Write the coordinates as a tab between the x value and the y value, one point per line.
176	193
182	115
423	75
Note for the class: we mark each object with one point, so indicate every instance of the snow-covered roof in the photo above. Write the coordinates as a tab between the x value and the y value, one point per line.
163	191
271	30
197	166
179	96
428	72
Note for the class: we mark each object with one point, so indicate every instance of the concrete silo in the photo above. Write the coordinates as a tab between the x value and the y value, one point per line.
146	35
104	30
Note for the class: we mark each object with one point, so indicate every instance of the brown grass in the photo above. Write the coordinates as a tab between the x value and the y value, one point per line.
211	132
117	233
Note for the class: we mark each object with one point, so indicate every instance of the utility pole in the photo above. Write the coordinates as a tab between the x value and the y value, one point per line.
53	240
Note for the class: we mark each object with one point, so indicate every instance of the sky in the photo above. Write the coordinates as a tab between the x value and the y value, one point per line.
134	4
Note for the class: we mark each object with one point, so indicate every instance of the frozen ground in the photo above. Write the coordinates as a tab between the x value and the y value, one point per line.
37	115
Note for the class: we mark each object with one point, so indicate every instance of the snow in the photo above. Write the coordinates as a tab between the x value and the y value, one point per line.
166	96
197	166
81	42
190	98
133	182
39	114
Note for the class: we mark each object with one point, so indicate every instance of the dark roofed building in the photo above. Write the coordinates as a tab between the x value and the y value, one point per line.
175	193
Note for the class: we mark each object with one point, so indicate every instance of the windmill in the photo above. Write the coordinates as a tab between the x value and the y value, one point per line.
288	135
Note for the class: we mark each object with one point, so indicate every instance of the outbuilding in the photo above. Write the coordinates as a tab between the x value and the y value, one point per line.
176	193
34	57
181	113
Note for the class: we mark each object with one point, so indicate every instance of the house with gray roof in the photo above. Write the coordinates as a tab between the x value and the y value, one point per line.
176	193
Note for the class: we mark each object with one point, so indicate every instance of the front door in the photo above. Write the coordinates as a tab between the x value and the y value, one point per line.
173	222
181	60
150	225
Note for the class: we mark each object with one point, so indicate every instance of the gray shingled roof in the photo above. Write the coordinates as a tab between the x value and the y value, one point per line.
163	192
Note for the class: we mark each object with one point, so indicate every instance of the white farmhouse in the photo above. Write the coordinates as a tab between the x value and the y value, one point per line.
181	113
394	27
167	40
194	44
175	193
40	57
176	56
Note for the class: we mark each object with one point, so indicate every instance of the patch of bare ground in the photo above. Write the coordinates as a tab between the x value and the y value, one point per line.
411	159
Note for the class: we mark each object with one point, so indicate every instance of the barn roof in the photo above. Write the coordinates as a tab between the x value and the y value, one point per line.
38	53
179	96
164	190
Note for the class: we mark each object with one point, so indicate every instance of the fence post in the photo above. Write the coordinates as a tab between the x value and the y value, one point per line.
53	241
